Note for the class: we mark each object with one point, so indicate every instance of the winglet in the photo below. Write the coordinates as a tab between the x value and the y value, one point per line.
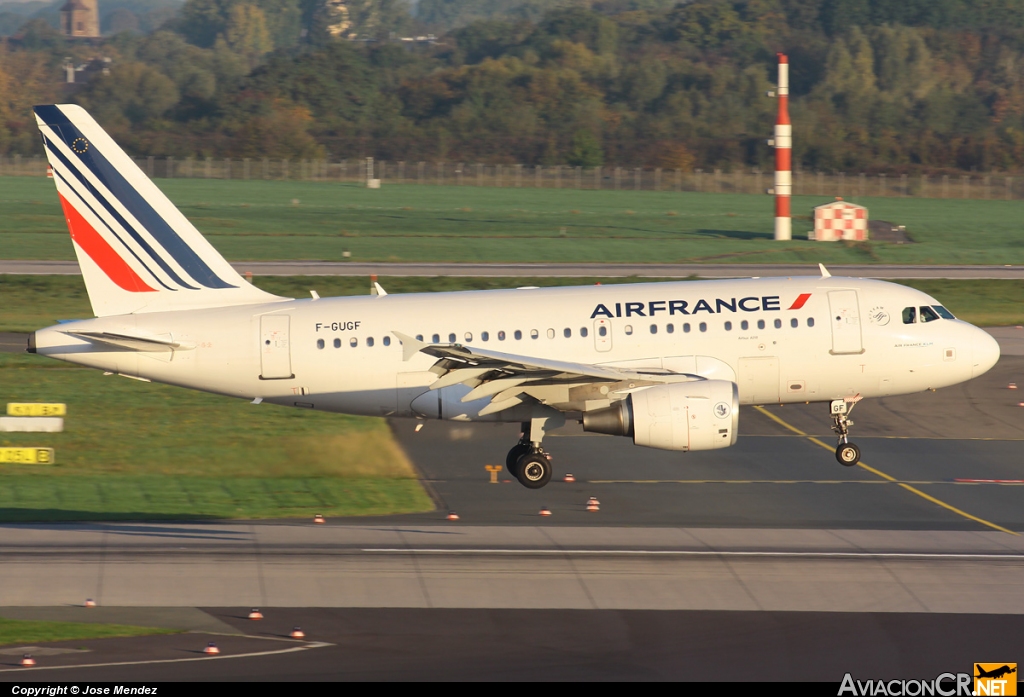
410	346
824	271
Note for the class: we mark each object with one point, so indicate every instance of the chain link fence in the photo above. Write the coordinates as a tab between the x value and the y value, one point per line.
964	186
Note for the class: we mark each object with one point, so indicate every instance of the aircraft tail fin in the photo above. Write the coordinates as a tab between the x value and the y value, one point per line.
138	253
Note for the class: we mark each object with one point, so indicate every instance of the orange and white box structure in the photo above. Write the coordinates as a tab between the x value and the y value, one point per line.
840	220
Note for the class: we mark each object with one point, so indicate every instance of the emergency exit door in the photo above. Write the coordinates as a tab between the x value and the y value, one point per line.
602	335
275	348
845	319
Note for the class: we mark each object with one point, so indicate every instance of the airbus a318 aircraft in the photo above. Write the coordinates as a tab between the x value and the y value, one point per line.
666	364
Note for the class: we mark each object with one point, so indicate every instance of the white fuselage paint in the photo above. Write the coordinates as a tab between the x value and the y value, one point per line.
858	344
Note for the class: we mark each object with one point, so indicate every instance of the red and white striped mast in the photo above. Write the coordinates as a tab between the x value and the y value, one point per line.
783	156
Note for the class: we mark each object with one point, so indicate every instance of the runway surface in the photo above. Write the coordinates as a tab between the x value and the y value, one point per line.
327	268
764	561
577	645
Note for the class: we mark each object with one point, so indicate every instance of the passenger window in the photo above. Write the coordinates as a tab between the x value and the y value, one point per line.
567	332
436	339
928	314
602	330
686	328
744	325
501	335
760	324
369	341
353	342
551	333
469	336
319	343
628	329
534	334
669	328
518	335
583	332
794	323
909	315
943	312
654	329
337	343
387	341
778	324
728	326
703	326
419	337
810	321
484	336
451	338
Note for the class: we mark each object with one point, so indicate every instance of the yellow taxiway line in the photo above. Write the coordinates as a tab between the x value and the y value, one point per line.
883	475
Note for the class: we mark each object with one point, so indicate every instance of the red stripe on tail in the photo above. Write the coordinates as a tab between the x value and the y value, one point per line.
86	237
800	300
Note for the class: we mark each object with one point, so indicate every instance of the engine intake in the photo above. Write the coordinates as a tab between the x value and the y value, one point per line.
698	415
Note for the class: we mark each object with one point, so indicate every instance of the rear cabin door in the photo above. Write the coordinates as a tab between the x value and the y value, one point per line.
845	320
275	348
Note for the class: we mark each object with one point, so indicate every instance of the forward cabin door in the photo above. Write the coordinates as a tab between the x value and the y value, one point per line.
845	320
275	348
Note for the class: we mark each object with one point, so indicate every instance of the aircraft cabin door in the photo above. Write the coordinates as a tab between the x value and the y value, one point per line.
602	335
275	348
845	320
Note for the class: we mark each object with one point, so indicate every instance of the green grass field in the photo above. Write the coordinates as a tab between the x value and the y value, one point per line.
134	450
29	632
32	302
263	220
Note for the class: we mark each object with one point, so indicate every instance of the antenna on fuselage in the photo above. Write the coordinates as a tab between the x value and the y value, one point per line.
824	271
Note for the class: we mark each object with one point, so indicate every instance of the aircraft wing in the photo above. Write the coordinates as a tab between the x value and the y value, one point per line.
510	379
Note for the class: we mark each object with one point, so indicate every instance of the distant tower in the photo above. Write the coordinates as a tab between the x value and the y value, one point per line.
80	19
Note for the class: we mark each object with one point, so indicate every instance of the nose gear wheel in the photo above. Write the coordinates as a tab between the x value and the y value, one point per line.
847	453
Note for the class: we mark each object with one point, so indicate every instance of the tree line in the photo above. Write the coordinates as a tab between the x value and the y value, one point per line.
876	85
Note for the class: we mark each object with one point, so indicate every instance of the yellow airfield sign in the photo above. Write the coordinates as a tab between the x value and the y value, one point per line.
27	456
36	409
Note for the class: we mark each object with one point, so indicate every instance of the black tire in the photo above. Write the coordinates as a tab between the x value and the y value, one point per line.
848	454
533	470
513	457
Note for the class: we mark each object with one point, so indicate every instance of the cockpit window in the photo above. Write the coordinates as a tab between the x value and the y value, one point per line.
928	314
909	315
943	312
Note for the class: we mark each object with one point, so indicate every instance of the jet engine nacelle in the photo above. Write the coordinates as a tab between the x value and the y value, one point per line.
698	415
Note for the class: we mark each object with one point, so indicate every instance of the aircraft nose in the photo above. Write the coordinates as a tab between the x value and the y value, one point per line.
986	353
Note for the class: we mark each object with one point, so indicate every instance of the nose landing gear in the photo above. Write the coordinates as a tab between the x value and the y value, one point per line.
847	453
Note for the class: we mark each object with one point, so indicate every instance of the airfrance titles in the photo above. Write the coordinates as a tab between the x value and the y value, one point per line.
767	303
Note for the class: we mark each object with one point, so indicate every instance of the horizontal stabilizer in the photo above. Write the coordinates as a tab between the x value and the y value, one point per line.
133	343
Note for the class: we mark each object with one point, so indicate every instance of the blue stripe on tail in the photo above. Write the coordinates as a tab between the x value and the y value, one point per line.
121	189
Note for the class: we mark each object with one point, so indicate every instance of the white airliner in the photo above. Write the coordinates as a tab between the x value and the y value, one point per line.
666	364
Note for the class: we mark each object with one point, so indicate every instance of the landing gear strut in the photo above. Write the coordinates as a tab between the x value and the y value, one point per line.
847	453
527	460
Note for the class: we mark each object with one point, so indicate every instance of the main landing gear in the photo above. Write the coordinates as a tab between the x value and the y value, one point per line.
527	461
847	453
